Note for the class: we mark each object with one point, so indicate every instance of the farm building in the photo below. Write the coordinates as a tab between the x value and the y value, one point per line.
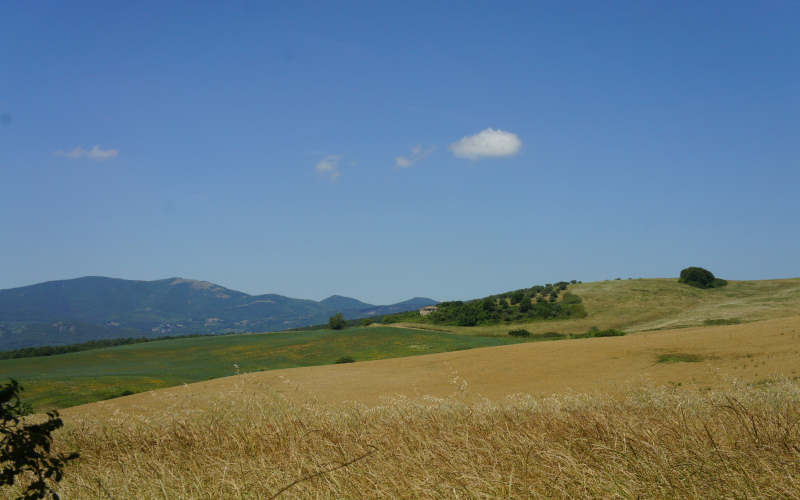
427	310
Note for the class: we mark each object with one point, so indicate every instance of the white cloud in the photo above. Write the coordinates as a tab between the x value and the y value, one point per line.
489	142
93	154
418	153
329	166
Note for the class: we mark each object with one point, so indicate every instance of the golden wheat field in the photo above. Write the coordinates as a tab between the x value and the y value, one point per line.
687	413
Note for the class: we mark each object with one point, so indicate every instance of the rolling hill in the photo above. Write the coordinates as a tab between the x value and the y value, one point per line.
91	308
654	304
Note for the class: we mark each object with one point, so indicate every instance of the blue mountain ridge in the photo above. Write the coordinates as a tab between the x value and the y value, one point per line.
95	307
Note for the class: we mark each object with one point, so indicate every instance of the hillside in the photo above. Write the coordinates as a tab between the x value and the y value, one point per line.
90	308
648	304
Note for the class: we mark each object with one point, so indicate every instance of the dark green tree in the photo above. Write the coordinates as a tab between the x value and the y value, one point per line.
337	321
525	305
470	314
700	278
25	449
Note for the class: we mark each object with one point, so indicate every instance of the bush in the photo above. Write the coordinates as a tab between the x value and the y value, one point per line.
550	336
596	332
520	333
367	321
345	359
700	278
337	321
25	448
571	298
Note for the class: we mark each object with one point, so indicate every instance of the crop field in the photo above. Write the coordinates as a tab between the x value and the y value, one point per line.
695	412
649	304
76	378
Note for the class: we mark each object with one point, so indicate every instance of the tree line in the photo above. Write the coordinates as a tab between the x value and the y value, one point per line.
539	302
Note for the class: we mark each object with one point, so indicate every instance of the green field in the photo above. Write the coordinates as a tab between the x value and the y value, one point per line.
82	377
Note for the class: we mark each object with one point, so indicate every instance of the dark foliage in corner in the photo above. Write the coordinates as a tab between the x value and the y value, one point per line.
25	449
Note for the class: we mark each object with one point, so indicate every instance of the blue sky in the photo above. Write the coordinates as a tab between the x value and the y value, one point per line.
256	145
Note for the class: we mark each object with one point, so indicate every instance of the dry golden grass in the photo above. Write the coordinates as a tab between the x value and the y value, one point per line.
655	442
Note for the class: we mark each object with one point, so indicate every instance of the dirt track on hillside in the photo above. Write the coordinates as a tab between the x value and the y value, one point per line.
752	352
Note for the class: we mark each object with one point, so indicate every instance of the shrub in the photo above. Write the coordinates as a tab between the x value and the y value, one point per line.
596	332
337	321
549	335
525	305
520	333
611	332
25	448
700	278
367	321
345	359
571	298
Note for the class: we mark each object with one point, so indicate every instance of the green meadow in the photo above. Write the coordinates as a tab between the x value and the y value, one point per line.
82	377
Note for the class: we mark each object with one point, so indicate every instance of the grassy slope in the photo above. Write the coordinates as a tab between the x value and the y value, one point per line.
76	378
646	304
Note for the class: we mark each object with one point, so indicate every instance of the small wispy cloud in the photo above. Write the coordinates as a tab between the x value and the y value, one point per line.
418	153
93	154
329	166
489	142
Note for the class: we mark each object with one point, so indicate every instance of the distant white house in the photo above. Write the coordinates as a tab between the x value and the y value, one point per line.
427	310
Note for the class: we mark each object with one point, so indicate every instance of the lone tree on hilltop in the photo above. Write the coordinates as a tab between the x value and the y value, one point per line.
700	278
337	321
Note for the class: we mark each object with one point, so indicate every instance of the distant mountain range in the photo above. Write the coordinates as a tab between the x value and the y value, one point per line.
91	308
